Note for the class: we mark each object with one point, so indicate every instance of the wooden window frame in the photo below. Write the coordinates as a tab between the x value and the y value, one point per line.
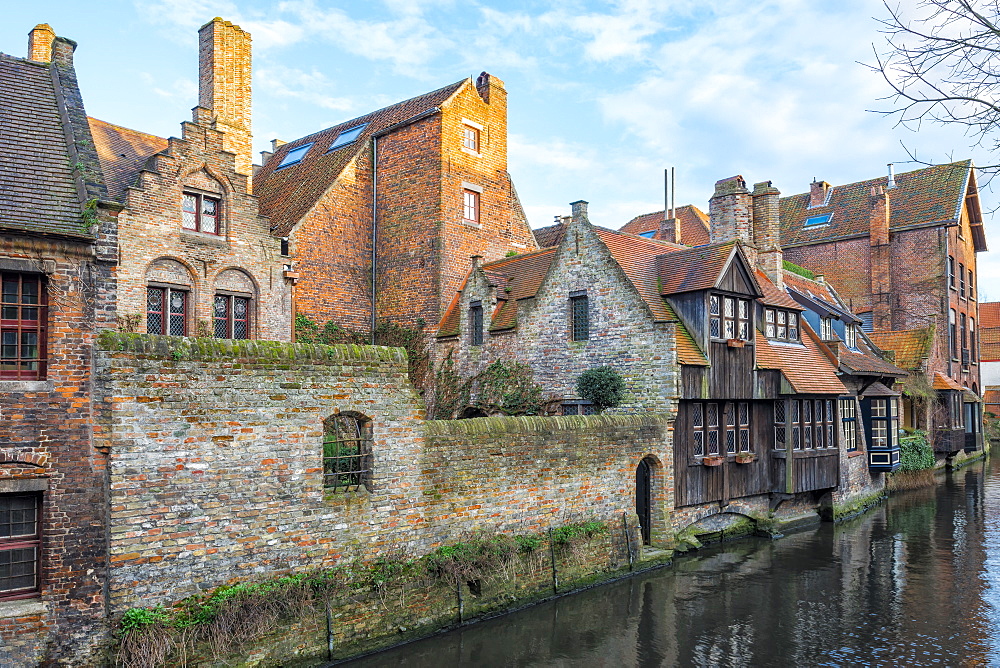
26	541
826	329
476	323
782	325
849	423
470	138
953	334
17	325
199	214
961	280
225	323
813	422
470	205
951	273
721	428
167	321
851	335
730	317
579	310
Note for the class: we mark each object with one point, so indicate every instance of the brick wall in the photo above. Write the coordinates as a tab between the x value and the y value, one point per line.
45	447
216	471
622	332
150	232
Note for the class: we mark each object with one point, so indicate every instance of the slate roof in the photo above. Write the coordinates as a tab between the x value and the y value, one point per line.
287	194
911	346
38	192
694	224
924	196
123	154
806	367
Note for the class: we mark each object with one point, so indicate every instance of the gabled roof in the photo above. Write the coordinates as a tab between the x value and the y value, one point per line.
921	197
550	235
806	367
773	295
911	346
123	154
943	382
38	192
867	363
638	259
688	351
694	224
287	194
693	269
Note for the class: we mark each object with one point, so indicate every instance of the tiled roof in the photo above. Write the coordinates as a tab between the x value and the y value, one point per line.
694	224
638	259
37	190
805	366
287	194
123	153
688	351
773	295
693	268
989	314
868	364
989	344
549	236
928	195
943	382
992	400
911	346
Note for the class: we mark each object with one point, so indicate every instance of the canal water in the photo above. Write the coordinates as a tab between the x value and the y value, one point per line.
913	583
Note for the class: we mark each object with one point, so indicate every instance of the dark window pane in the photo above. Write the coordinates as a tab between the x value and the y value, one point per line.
221	316
476	323
581	319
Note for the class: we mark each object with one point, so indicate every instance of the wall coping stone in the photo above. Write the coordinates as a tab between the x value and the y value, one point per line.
257	351
529	424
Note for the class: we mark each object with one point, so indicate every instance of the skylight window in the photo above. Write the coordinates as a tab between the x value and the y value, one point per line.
347	136
648	235
295	155
818	220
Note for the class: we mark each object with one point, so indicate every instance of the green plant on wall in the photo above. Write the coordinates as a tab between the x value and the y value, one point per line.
915	453
603	387
508	388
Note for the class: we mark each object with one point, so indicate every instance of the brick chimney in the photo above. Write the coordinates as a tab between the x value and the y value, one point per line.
881	278
579	209
491	89
40	43
670	229
767	231
818	192
224	74
729	212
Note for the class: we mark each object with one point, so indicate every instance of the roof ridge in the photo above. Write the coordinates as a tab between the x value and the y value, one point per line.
132	130
504	260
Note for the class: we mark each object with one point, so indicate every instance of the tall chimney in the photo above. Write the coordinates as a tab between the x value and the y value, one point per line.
579	209
40	43
729	211
767	231
891	182
818	191
881	277
224	74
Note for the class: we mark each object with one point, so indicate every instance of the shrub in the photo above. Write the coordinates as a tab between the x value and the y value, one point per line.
915	453
603	387
510	388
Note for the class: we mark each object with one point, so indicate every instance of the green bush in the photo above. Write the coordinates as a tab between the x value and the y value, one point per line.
509	388
603	387
915	453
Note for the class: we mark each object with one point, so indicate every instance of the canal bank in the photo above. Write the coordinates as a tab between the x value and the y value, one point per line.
907	583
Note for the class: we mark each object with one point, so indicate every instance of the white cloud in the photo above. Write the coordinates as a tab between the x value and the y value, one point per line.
551	154
184	91
312	87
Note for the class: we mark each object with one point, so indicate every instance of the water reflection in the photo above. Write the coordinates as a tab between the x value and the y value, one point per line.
913	583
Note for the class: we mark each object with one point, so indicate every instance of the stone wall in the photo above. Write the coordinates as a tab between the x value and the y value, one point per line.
216	471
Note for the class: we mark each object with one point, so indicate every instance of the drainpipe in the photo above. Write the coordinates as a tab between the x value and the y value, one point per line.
374	225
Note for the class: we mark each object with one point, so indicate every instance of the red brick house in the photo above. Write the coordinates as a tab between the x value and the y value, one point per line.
57	286
425	178
197	258
989	343
901	251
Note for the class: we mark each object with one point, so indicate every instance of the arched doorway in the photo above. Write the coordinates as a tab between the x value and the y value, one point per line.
643	497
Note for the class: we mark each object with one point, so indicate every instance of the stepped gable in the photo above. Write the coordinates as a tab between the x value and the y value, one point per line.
931	195
911	346
287	194
38	192
123	154
694	224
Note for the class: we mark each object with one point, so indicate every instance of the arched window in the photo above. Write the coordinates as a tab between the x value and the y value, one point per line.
347	452
232	305
168	297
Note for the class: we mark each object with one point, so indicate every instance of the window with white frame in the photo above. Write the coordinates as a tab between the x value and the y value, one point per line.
849	423
851	335
470	138
729	317
826	329
780	324
471	205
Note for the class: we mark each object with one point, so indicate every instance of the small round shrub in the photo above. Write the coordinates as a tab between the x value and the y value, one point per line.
603	387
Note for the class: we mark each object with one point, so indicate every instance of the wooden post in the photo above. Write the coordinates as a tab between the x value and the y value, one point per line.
789	451
329	631
552	556
628	542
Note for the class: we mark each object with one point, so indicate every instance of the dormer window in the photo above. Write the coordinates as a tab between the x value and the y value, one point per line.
347	136
826	329
200	213
729	317
851	335
781	325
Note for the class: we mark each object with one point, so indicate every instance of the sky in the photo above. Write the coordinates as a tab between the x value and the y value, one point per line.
602	97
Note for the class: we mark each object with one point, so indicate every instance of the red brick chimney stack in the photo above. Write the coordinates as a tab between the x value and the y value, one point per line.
494	94
40	43
881	277
818	192
767	231
670	230
224	86
729	212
